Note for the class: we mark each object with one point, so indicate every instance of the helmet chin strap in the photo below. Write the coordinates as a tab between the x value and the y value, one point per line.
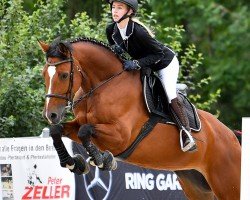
124	17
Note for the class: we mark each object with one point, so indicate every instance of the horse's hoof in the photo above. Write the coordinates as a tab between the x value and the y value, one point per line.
96	159
109	162
92	163
114	164
81	166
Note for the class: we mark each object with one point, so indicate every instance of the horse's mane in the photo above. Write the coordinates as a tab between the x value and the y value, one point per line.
58	46
94	41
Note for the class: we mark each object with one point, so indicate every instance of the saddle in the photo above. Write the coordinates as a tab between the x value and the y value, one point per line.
157	101
160	110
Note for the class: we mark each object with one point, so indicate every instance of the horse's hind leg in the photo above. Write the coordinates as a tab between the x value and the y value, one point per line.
194	185
75	164
104	160
224	177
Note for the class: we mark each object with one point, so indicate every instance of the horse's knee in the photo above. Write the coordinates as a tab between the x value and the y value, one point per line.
85	132
56	131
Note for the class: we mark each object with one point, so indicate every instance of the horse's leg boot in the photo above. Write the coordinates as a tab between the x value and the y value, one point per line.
186	139
64	157
84	134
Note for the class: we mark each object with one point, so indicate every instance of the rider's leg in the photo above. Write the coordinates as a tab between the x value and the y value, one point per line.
169	77
187	141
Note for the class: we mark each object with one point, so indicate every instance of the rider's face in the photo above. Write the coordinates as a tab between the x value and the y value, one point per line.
118	10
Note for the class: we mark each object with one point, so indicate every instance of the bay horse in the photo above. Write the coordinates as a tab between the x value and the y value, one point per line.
109	112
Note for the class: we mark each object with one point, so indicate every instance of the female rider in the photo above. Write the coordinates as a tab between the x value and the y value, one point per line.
130	35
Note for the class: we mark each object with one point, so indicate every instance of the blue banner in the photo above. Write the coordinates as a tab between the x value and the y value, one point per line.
126	182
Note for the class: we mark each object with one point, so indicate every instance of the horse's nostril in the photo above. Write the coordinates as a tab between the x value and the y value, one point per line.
53	116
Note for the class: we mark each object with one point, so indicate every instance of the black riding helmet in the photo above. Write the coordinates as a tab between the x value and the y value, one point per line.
131	3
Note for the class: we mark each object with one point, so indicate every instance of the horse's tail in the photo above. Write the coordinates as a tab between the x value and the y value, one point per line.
238	134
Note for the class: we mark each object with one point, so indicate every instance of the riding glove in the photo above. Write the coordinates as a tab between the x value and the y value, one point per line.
117	49
131	65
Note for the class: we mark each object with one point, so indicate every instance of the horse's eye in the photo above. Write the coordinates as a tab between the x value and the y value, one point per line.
64	76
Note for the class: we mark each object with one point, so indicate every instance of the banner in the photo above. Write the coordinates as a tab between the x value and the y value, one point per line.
30	169
127	182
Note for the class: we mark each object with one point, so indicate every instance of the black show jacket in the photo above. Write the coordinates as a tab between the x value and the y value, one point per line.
141	46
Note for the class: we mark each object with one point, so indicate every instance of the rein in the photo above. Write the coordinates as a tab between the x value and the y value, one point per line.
88	94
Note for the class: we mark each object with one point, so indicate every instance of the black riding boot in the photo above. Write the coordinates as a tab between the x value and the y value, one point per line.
186	139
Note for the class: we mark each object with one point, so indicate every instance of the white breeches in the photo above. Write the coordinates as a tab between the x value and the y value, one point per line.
169	76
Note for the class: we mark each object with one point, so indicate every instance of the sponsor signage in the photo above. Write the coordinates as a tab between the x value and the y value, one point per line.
127	182
30	169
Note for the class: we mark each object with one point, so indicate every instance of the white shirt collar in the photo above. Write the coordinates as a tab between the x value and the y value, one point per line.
123	32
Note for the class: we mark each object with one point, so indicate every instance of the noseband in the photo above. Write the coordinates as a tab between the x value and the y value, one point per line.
68	95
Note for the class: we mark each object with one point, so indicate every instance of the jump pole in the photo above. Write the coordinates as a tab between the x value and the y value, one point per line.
245	159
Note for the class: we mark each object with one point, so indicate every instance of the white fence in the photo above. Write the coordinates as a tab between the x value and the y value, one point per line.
245	159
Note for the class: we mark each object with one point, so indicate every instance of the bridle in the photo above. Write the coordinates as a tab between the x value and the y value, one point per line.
68	96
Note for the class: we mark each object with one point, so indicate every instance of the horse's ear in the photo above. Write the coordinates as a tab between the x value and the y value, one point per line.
44	46
63	48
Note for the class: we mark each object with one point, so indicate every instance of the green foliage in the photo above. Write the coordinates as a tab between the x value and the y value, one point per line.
190	61
21	60
220	30
21	92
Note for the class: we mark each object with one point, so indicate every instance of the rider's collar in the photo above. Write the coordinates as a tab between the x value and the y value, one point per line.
116	33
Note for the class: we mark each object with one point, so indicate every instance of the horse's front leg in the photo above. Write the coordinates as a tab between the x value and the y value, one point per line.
104	160
75	164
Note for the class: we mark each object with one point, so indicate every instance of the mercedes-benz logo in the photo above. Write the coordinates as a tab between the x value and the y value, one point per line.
100	184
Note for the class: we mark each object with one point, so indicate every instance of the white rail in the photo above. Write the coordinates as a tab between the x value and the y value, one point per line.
245	159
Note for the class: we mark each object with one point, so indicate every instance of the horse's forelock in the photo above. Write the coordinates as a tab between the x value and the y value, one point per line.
59	49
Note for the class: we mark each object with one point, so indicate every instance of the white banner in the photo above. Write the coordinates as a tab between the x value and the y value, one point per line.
30	169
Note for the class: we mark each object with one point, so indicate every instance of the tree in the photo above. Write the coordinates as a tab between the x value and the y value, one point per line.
21	92
220	30
21	60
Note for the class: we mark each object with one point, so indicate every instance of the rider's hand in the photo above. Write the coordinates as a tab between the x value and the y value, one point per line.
117	49
131	65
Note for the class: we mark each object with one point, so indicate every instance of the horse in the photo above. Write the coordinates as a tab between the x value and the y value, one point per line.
109	111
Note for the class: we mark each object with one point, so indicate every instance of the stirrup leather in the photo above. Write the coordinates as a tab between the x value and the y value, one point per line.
191	143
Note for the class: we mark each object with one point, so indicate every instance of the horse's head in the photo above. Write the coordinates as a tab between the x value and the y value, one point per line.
62	79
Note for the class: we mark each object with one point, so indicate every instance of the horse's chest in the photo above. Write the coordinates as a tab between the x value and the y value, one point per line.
93	115
97	109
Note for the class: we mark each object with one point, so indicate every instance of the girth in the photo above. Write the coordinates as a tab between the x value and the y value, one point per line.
145	130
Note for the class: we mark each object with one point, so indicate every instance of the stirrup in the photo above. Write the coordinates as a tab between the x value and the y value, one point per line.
191	146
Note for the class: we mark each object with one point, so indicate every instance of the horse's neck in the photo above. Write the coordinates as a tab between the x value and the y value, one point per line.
97	63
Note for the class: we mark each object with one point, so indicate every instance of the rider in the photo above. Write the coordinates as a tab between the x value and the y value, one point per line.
128	34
